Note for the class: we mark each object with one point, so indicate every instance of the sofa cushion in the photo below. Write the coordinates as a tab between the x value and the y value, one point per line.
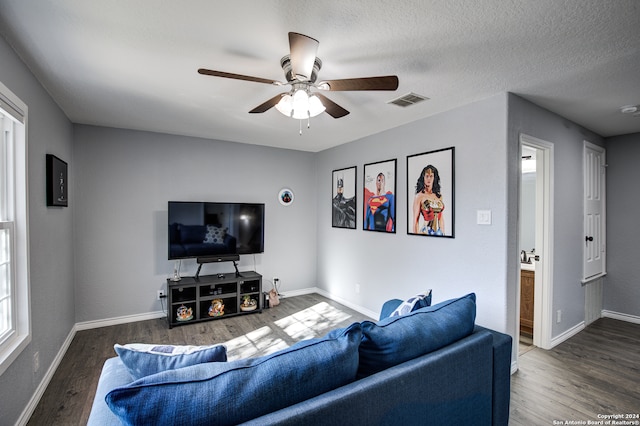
395	340
143	359
237	391
414	303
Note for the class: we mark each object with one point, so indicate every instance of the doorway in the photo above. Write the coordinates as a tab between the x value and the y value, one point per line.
535	243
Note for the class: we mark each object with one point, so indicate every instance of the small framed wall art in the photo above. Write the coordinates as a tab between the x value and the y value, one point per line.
286	197
430	193
344	198
380	196
57	184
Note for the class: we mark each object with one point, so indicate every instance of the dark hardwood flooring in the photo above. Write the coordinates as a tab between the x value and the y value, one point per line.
69	396
595	372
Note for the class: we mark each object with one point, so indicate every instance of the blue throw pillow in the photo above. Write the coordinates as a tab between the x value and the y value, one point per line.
144	360
237	391
395	340
414	303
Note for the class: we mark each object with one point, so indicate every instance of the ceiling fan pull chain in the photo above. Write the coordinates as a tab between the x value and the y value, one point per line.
300	121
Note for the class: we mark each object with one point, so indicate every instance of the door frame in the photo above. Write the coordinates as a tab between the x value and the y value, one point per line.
603	210
543	287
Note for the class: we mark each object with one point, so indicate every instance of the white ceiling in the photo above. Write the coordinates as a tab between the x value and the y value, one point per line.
133	63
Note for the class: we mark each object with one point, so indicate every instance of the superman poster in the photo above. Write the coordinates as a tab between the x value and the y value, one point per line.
380	196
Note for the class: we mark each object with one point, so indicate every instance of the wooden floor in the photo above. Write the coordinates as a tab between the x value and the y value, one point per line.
68	398
595	372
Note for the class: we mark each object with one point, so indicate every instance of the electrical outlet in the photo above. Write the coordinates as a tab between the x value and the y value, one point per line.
161	294
559	316
36	362
357	288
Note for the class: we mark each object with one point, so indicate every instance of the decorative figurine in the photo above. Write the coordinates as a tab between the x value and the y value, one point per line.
248	304
217	308
184	314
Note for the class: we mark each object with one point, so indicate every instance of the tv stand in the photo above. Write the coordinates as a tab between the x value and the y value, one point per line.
197	299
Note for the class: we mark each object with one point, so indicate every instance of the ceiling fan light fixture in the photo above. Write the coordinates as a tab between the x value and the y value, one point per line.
315	106
285	106
300	106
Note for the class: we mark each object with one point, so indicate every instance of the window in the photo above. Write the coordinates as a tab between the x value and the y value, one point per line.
15	324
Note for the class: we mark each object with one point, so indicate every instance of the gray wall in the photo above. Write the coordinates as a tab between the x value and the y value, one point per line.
105	255
401	265
622	283
50	239
568	139
123	181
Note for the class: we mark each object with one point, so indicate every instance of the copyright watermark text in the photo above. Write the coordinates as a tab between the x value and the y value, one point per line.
621	419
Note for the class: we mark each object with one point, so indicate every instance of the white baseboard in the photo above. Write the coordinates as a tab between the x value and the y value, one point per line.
620	316
581	326
310	290
567	334
88	325
358	308
294	293
42	387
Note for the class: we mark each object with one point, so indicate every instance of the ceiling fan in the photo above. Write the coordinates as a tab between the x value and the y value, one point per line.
301	69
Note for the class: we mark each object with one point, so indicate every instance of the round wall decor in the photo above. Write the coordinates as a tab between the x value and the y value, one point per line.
286	196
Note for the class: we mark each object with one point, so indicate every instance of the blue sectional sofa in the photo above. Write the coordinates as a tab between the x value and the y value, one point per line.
431	366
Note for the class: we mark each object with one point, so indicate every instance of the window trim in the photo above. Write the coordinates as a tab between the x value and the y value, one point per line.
12	347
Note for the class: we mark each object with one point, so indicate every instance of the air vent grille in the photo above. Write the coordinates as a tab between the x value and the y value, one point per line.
408	100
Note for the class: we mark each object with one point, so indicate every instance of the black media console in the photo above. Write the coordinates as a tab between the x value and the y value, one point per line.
209	297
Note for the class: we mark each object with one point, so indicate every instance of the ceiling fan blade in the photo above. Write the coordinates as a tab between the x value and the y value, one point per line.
389	82
332	108
205	71
303	51
268	104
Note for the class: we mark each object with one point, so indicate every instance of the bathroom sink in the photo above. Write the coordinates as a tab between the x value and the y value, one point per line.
528	266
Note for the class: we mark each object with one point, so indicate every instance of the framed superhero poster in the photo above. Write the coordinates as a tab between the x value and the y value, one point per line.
380	196
430	193
344	198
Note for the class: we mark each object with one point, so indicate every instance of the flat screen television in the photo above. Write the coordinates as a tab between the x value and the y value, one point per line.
214	230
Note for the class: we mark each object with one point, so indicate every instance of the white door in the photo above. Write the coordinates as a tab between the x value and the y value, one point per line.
594	212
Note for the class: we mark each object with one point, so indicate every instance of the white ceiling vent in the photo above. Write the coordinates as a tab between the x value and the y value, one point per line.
408	100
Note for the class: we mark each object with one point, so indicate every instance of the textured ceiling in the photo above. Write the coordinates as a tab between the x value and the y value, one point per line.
133	63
